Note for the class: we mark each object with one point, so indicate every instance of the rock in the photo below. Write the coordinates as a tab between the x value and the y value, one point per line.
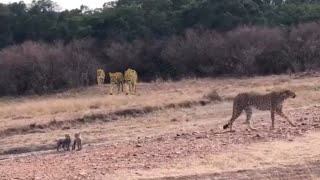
138	145
200	137
37	178
174	120
82	173
195	132
160	139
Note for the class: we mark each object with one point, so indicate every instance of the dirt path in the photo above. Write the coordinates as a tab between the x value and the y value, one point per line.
202	151
166	132
306	171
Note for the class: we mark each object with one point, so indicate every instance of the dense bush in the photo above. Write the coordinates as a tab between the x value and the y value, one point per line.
128	20
304	44
45	50
39	68
36	67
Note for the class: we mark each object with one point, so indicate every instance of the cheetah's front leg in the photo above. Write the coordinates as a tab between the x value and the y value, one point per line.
280	113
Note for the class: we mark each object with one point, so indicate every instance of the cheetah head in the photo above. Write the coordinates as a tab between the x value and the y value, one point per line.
67	136
77	135
288	93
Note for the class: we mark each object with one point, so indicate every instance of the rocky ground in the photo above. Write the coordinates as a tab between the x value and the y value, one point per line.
135	158
170	130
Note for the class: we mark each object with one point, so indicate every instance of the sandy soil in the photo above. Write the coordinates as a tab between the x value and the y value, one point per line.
169	142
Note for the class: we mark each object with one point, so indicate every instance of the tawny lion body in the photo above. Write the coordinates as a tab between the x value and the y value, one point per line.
131	80
100	76
118	79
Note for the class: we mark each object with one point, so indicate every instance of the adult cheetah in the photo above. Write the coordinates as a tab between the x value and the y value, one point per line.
116	78
265	102
131	80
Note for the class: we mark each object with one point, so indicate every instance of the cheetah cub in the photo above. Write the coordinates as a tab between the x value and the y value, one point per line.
77	142
65	143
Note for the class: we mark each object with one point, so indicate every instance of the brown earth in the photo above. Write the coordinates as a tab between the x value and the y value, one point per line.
183	140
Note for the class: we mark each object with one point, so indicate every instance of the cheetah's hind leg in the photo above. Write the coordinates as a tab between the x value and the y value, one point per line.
235	115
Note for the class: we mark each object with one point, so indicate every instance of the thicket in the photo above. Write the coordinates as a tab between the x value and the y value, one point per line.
45	50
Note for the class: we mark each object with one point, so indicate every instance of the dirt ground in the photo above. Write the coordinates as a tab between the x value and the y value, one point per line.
170	130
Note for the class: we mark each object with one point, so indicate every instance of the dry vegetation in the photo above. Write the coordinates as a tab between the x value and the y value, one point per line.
176	124
40	68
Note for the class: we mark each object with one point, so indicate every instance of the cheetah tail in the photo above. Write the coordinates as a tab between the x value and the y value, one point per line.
226	126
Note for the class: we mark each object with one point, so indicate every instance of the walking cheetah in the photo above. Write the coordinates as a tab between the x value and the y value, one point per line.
116	78
266	102
131	80
100	76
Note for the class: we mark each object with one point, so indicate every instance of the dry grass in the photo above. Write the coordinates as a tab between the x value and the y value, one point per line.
96	98
93	102
75	104
176	113
213	96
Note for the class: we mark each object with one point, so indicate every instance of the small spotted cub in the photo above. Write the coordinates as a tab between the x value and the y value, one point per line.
65	143
77	142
